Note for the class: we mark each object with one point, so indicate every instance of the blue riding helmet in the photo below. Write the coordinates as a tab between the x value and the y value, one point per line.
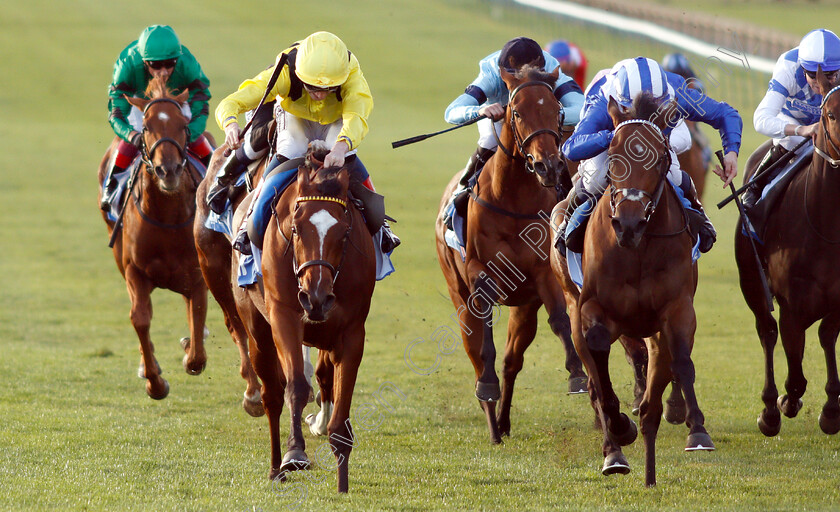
678	63
559	49
820	48
632	76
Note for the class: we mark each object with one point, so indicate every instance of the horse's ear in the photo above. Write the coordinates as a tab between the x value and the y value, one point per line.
137	102
555	74
507	76
616	112
183	97
303	177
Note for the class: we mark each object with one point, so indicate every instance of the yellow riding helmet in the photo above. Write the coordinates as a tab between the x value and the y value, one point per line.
322	60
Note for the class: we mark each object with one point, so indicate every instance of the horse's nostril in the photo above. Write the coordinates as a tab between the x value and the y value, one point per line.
303	298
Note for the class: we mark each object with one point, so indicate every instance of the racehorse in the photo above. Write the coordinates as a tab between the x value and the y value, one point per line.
639	281
155	247
318	277
800	250
515	191
214	256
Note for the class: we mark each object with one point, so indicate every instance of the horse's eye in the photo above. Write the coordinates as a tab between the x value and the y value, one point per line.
516	114
831	115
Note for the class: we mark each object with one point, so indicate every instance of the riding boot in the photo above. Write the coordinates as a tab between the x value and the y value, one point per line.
390	241
574	200
753	193
698	217
217	196
109	188
206	160
476	162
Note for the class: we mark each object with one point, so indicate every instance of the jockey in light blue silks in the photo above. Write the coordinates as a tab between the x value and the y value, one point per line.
488	95
594	132
790	111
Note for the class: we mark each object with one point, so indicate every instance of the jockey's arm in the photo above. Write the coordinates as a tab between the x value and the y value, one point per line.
570	96
717	114
592	135
199	87
466	106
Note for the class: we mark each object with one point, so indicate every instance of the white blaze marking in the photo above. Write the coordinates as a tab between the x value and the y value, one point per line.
322	221
540	102
163	117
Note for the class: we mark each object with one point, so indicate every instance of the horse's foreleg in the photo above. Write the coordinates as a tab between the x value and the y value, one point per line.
140	294
195	360
793	341
481	304
650	409
287	332
619	430
552	296
770	420
522	327
341	436
830	415
679	324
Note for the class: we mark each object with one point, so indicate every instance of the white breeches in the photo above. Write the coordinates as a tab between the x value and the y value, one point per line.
487	132
294	134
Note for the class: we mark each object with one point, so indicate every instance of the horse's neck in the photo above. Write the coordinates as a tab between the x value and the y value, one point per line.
508	177
821	182
170	208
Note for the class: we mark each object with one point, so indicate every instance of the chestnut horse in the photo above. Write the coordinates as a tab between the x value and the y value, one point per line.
318	277
155	247
800	253
638	281
214	256
514	194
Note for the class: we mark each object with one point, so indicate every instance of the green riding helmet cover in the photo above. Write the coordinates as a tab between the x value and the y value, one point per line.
159	42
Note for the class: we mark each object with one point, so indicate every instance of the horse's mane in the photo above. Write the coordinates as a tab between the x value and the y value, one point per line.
157	89
534	73
645	106
325	179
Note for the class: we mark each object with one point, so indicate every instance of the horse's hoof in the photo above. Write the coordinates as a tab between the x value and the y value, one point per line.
157	394
253	405
674	413
577	385
488	391
314	428
615	463
788	407
626	437
636	406
185	343
141	370
194	368
769	426
828	424
700	441
294	460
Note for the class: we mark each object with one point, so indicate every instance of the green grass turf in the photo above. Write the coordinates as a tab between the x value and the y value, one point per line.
77	431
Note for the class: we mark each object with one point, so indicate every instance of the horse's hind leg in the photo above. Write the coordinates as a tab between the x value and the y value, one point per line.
560	325
195	360
769	421
325	375
522	327
793	341
636	353
830	415
140	293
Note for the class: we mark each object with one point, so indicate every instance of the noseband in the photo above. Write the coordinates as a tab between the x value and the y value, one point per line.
831	161
146	153
520	142
298	269
634	194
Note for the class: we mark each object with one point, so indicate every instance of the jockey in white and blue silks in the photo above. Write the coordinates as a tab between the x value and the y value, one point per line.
488	95
790	111
594	132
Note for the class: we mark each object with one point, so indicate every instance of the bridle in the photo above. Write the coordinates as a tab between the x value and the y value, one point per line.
520	142
146	153
298	269
649	201
831	161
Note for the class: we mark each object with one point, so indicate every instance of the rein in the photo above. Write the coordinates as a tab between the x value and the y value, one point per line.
298	269
634	194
